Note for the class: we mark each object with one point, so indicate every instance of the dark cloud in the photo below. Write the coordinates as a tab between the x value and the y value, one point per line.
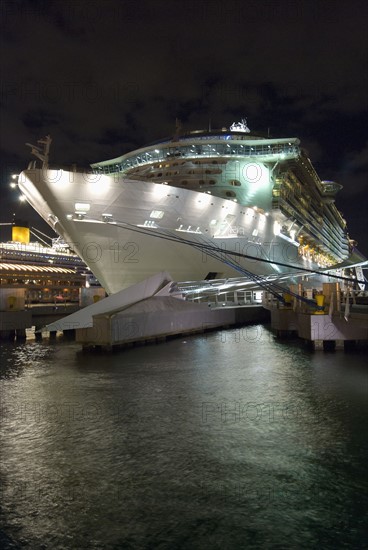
106	76
40	120
359	160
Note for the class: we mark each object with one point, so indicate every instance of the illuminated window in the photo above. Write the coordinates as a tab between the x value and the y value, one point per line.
82	207
157	214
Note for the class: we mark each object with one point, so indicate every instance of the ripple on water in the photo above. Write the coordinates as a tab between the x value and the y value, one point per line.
225	441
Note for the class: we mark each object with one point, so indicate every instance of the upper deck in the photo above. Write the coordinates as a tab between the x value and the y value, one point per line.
204	144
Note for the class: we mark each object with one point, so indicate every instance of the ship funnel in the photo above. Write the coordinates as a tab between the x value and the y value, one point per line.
20	232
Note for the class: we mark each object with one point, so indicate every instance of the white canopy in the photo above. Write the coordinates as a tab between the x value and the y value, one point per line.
115	302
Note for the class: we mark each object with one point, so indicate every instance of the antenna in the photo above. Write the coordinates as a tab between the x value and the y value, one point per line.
177	126
177	129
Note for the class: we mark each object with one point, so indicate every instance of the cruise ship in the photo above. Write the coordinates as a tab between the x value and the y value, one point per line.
46	274
200	205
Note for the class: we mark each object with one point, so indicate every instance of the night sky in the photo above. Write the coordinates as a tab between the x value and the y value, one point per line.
104	77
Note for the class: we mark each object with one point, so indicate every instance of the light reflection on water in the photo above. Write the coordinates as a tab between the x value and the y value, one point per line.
228	440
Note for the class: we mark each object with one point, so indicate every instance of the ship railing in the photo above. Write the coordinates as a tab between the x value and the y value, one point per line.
336	300
213	151
322	233
71	168
65	167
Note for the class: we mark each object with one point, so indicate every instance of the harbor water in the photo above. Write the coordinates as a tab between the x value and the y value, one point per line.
226	440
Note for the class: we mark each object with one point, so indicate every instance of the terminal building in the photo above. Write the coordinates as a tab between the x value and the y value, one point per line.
40	280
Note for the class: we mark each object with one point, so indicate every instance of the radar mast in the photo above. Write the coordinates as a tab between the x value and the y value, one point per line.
42	151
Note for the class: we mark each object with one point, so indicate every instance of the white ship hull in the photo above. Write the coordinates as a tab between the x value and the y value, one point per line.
116	231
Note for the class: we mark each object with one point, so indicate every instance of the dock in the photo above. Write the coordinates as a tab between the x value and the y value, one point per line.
152	312
39	283
158	309
17	316
338	320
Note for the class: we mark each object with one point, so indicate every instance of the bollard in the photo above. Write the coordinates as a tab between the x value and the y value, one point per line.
320	299
12	300
287	299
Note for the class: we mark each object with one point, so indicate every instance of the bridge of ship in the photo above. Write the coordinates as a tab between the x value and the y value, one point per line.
272	151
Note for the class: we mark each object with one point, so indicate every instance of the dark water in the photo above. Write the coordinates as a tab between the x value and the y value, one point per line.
230	440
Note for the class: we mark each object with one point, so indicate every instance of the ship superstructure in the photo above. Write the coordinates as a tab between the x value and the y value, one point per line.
39	254
48	274
189	203
244	168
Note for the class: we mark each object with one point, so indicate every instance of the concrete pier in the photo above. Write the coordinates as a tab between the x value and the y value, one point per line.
150	312
335	322
158	318
13	324
16	316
